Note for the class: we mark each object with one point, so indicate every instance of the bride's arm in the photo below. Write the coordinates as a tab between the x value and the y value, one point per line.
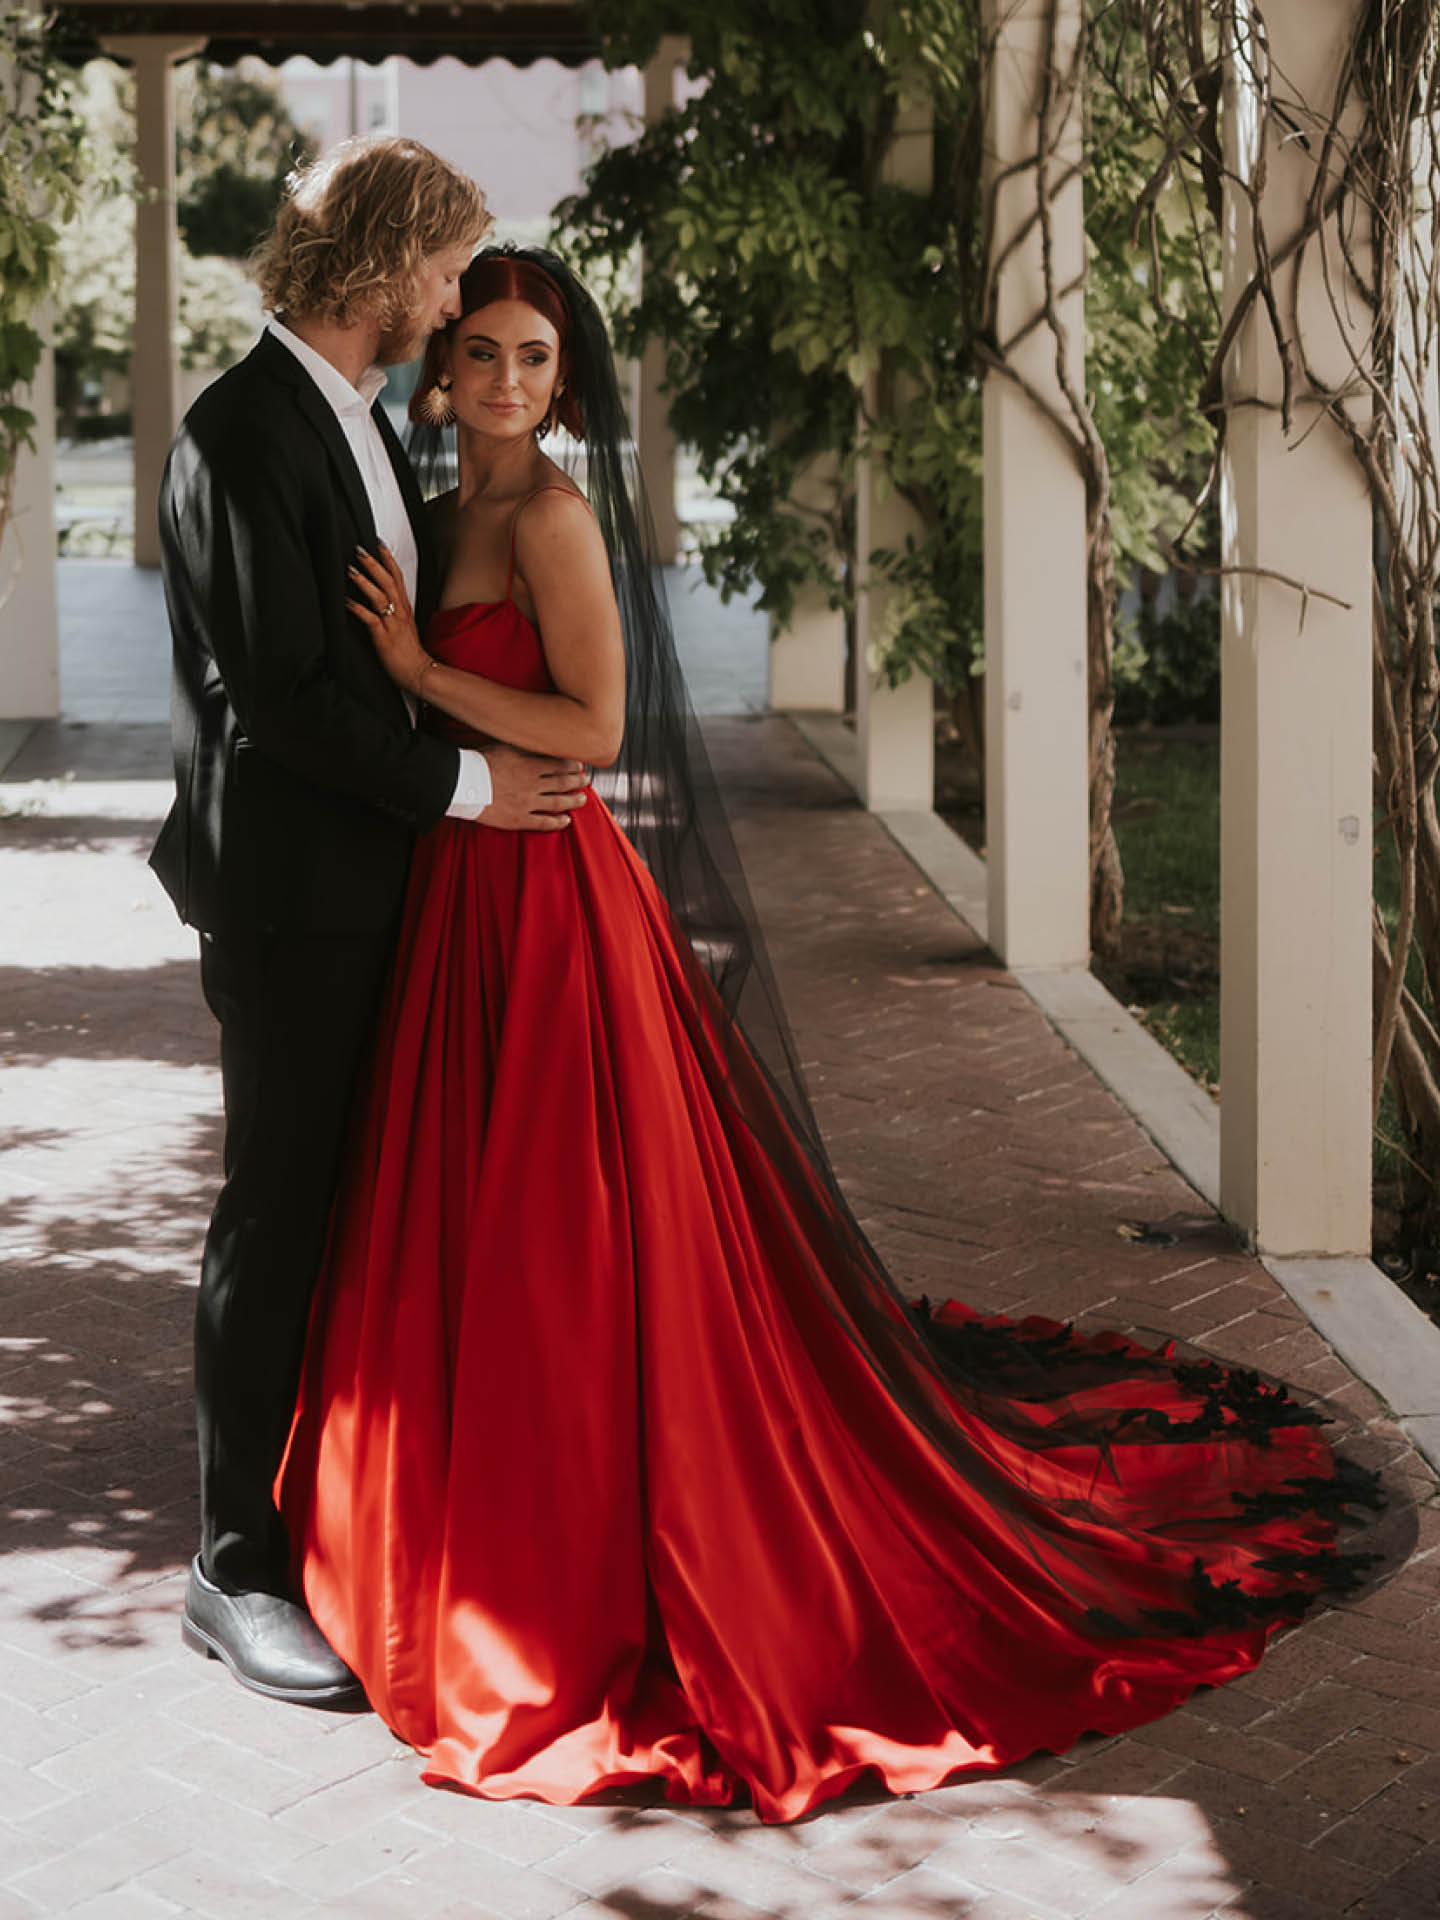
562	558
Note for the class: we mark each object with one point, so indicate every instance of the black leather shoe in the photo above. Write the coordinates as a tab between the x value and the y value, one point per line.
270	1645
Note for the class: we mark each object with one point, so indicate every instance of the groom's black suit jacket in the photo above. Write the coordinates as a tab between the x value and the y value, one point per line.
300	779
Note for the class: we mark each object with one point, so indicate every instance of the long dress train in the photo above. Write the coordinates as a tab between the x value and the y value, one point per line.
612	1459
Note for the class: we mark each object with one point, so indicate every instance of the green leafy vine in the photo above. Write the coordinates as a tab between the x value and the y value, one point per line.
42	153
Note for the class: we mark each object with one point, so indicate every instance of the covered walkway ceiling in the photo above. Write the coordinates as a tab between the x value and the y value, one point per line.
274	30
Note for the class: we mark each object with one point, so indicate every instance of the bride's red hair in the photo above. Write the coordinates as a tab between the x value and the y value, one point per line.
495	276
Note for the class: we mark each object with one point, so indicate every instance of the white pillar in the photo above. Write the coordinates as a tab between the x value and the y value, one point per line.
654	442
29	620
894	726
155	365
807	654
1036	704
1295	964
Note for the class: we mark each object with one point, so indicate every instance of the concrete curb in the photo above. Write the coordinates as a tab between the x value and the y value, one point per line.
1382	1336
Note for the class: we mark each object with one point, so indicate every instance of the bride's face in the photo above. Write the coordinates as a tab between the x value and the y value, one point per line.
504	362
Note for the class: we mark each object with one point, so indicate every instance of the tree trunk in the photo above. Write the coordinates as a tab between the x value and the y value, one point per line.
1107	879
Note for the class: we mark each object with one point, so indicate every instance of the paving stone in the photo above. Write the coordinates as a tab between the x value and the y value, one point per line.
1124	1767
924	1894
603	1862
1352	1770
1251	1850
116	1802
1194	1888
495	1886
86	1868
1066	1880
351	1805
738	1873
393	1896
1253	1757
659	1894
862	1856
1261	1902
122	1903
517	1830
198	1882
1412	1893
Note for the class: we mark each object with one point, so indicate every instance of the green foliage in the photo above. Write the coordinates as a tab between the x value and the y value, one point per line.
235	145
784	275
1167	822
1169	670
792	286
95	313
42	154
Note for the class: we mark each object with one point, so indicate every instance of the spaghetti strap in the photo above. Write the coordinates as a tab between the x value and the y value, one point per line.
550	487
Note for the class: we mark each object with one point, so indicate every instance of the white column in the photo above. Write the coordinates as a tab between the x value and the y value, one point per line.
1295	965
29	620
1036	714
155	365
807	654
654	442
894	726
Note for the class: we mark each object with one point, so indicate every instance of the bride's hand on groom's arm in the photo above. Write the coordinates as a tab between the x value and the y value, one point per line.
530	793
380	603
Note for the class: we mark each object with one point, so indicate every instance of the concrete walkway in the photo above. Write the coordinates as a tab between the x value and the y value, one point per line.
985	1160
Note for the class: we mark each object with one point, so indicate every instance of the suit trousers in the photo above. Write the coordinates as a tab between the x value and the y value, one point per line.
297	1014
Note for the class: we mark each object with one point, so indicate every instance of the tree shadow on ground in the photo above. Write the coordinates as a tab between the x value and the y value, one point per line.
152	1013
97	1447
81	751
43	831
1020	1842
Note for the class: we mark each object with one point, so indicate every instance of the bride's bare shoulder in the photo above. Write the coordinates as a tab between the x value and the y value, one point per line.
556	519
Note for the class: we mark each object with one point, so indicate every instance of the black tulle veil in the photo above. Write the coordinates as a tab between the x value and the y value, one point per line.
1042	1386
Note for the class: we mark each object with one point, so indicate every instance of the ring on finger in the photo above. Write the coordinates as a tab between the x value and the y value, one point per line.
387	610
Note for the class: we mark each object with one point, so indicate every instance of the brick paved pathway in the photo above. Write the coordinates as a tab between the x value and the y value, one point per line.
136	1780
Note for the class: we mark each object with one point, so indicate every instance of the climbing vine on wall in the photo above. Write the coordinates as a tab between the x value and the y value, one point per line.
1370	235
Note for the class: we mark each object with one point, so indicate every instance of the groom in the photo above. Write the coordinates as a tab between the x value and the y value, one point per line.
301	782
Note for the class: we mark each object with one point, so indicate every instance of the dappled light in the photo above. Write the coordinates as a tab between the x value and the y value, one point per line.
111	1137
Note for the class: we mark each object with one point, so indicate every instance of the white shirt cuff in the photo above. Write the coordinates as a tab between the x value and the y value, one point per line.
473	791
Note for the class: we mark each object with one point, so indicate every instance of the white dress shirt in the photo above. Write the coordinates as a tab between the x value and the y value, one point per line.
352	408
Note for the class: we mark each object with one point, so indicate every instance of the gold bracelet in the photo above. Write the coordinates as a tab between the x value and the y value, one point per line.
430	661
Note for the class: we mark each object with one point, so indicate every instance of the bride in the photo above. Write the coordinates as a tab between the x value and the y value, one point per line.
617	1455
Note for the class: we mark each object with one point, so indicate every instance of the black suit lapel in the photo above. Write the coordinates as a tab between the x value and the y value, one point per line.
321	415
427	586
277	359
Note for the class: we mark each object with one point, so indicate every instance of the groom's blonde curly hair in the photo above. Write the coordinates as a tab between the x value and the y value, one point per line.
355	227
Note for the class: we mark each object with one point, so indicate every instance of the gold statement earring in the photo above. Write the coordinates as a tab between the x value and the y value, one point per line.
437	406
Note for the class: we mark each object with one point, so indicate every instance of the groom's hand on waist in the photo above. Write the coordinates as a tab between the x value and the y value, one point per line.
532	794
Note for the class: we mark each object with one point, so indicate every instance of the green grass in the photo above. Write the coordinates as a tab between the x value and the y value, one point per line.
1167	821
1190	1030
1167	824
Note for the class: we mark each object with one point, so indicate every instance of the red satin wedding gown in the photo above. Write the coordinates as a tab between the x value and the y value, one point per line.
612	1462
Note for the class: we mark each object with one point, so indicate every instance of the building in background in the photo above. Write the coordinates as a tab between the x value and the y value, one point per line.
525	133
